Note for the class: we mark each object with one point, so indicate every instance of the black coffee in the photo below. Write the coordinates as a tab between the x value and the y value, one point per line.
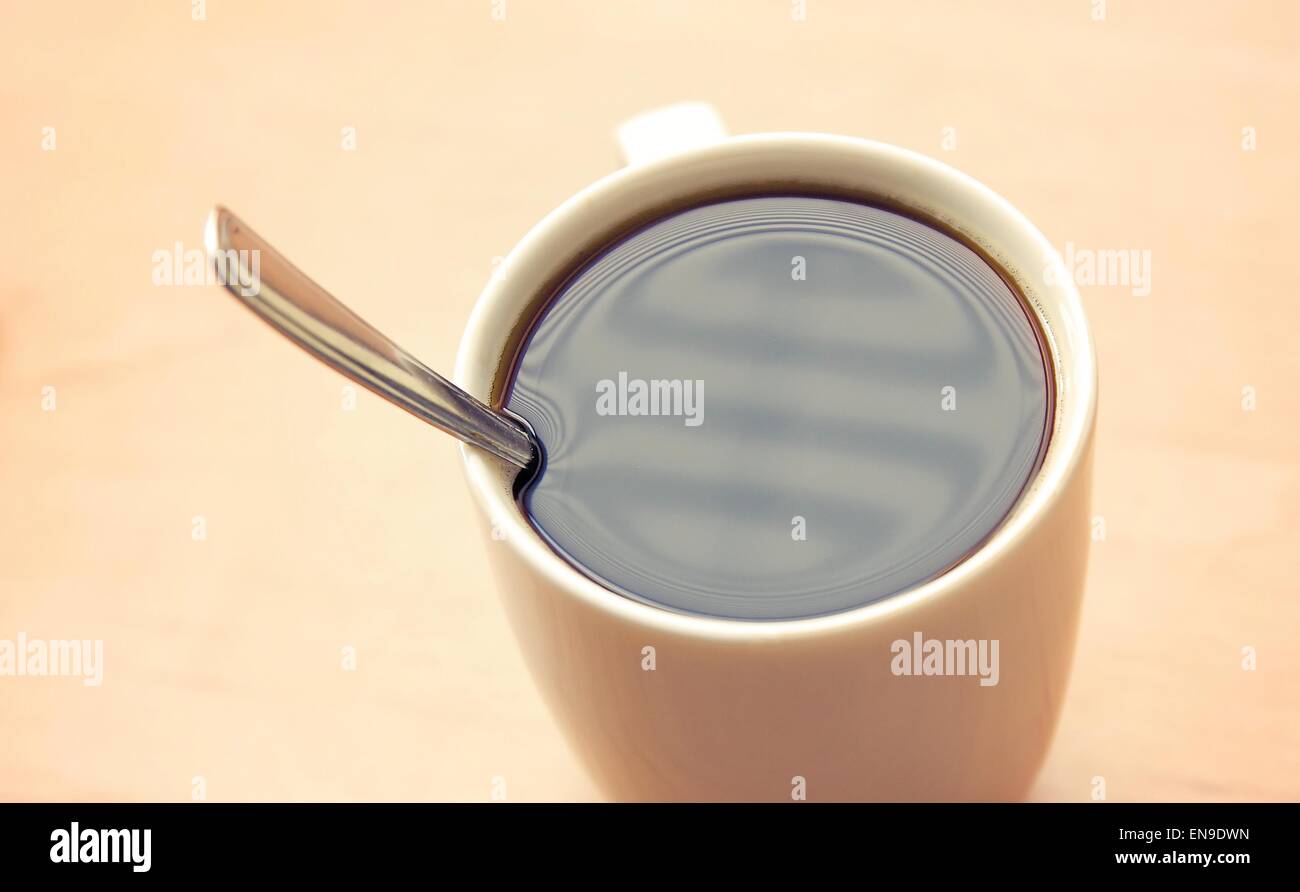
780	407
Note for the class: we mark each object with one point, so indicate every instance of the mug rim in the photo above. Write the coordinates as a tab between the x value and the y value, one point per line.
828	163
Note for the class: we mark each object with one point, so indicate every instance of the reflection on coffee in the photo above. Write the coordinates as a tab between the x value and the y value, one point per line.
780	407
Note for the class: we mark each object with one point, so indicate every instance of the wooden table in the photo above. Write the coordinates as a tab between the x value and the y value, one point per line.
331	528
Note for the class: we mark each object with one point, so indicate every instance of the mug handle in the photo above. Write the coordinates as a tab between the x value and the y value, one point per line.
667	131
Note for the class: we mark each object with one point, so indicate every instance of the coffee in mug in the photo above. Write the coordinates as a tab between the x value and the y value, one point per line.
779	407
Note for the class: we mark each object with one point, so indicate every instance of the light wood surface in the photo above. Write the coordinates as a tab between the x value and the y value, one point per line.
329	528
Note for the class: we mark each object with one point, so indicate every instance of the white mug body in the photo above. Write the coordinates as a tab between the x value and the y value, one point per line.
661	705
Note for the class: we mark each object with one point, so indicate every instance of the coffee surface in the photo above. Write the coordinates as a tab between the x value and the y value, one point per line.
779	407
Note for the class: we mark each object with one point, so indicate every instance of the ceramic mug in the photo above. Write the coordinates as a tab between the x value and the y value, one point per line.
661	705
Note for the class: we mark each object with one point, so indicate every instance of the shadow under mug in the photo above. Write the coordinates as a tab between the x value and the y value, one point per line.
661	705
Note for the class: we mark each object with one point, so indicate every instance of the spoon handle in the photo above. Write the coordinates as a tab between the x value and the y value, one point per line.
284	297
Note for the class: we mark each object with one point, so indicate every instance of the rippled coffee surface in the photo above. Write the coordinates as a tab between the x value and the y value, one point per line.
779	407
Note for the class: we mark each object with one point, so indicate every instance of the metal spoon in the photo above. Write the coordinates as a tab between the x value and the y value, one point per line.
304	312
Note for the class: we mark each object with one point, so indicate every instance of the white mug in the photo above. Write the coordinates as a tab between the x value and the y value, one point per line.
662	705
